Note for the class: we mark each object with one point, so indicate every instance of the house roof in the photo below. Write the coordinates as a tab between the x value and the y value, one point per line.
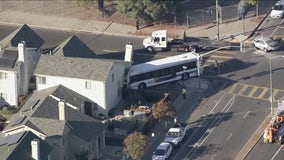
18	146
71	47
83	68
25	33
44	116
8	58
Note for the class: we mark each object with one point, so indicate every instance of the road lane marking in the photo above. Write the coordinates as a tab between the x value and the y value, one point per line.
262	93
202	122
276	28
246	115
210	129
275	92
229	136
276	152
243	89
226	52
231	90
252	92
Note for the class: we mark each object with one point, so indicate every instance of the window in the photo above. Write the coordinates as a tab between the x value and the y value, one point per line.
42	80
3	96
112	77
3	75
87	85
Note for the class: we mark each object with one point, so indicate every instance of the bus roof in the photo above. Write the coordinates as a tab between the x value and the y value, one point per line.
161	63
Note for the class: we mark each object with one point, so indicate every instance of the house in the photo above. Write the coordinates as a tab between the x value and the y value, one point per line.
24	145
97	79
71	47
56	116
19	54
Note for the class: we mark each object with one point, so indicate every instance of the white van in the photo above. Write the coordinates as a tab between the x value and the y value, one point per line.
278	10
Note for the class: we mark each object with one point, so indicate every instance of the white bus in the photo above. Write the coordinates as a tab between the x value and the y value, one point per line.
162	71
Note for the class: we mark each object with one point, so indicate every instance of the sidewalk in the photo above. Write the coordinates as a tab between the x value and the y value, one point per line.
194	95
230	31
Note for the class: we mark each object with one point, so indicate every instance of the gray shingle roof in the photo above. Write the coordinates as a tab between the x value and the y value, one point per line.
44	117
25	33
22	149
72	47
8	58
83	68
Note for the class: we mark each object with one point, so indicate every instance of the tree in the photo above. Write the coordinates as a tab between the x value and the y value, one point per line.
163	110
147	10
254	2
135	144
86	3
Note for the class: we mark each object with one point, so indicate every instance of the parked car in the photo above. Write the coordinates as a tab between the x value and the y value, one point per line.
278	10
163	151
265	43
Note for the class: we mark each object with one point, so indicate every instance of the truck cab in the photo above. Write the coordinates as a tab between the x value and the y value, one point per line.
176	134
157	42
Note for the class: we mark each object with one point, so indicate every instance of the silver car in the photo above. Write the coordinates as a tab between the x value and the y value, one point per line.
265	43
163	151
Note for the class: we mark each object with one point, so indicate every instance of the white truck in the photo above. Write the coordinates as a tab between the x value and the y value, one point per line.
159	42
176	134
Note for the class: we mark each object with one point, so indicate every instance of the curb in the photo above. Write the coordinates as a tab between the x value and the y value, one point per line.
253	139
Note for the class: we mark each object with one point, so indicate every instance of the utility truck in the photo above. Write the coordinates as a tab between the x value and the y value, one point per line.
159	41
176	134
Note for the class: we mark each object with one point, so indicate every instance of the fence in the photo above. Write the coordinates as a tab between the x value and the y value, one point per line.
226	13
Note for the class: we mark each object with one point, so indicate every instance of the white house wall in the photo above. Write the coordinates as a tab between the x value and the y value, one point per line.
96	93
30	61
114	86
9	87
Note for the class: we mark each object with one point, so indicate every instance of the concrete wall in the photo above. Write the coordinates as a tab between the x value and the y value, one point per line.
9	87
114	86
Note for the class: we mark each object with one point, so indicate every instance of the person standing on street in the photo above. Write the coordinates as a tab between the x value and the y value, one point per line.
216	66
183	92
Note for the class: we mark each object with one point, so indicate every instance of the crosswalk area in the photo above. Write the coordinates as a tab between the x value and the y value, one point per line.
221	56
252	91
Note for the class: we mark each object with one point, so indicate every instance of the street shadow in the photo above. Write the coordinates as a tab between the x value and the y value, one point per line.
259	74
210	121
212	151
231	66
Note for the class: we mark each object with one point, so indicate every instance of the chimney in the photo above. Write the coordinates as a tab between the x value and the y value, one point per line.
35	149
128	53
21	51
61	108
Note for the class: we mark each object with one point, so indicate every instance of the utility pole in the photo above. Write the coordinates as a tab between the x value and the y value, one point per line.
199	63
217	19
243	19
